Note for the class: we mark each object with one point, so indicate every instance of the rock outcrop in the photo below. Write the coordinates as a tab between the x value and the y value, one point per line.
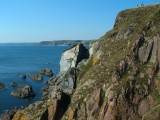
2	86
24	92
71	57
52	109
13	84
123	83
66	81
36	77
47	72
67	77
22	76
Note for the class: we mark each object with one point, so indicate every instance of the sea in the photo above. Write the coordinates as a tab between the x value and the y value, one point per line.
16	60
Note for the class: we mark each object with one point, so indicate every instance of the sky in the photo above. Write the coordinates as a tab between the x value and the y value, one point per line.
46	20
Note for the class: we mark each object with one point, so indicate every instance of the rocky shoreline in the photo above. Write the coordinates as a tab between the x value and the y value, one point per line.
116	78
61	86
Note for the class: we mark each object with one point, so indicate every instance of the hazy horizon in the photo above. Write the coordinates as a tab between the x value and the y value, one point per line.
37	41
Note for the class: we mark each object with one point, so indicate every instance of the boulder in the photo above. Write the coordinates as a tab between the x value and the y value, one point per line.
25	92
47	72
22	76
35	77
71	57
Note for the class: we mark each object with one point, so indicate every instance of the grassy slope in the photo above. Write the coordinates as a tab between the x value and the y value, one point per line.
116	45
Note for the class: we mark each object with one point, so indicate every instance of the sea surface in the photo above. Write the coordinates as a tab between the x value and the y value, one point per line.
17	60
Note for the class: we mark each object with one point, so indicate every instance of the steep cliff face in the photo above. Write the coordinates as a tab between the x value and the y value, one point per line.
121	80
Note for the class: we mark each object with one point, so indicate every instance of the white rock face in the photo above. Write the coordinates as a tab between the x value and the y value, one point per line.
70	58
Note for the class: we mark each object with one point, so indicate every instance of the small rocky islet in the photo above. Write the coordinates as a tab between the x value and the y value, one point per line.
2	86
116	78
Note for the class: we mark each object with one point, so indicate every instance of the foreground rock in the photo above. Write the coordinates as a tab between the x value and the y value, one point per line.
8	115
52	109
47	72
25	92
35	77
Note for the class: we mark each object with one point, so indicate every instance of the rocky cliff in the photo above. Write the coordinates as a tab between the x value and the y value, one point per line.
119	81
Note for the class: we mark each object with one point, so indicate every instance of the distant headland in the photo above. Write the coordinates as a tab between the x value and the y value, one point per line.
51	43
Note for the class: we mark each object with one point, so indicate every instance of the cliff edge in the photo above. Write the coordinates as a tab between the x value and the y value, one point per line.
119	81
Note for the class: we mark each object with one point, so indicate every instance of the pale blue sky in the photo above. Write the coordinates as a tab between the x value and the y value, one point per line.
45	20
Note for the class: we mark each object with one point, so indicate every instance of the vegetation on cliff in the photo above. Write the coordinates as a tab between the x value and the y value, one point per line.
123	81
121	78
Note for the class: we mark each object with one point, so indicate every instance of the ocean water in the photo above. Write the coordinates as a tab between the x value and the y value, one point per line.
17	60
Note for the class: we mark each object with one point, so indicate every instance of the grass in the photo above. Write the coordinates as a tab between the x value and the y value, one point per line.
113	49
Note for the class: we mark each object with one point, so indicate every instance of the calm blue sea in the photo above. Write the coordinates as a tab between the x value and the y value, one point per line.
17	60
